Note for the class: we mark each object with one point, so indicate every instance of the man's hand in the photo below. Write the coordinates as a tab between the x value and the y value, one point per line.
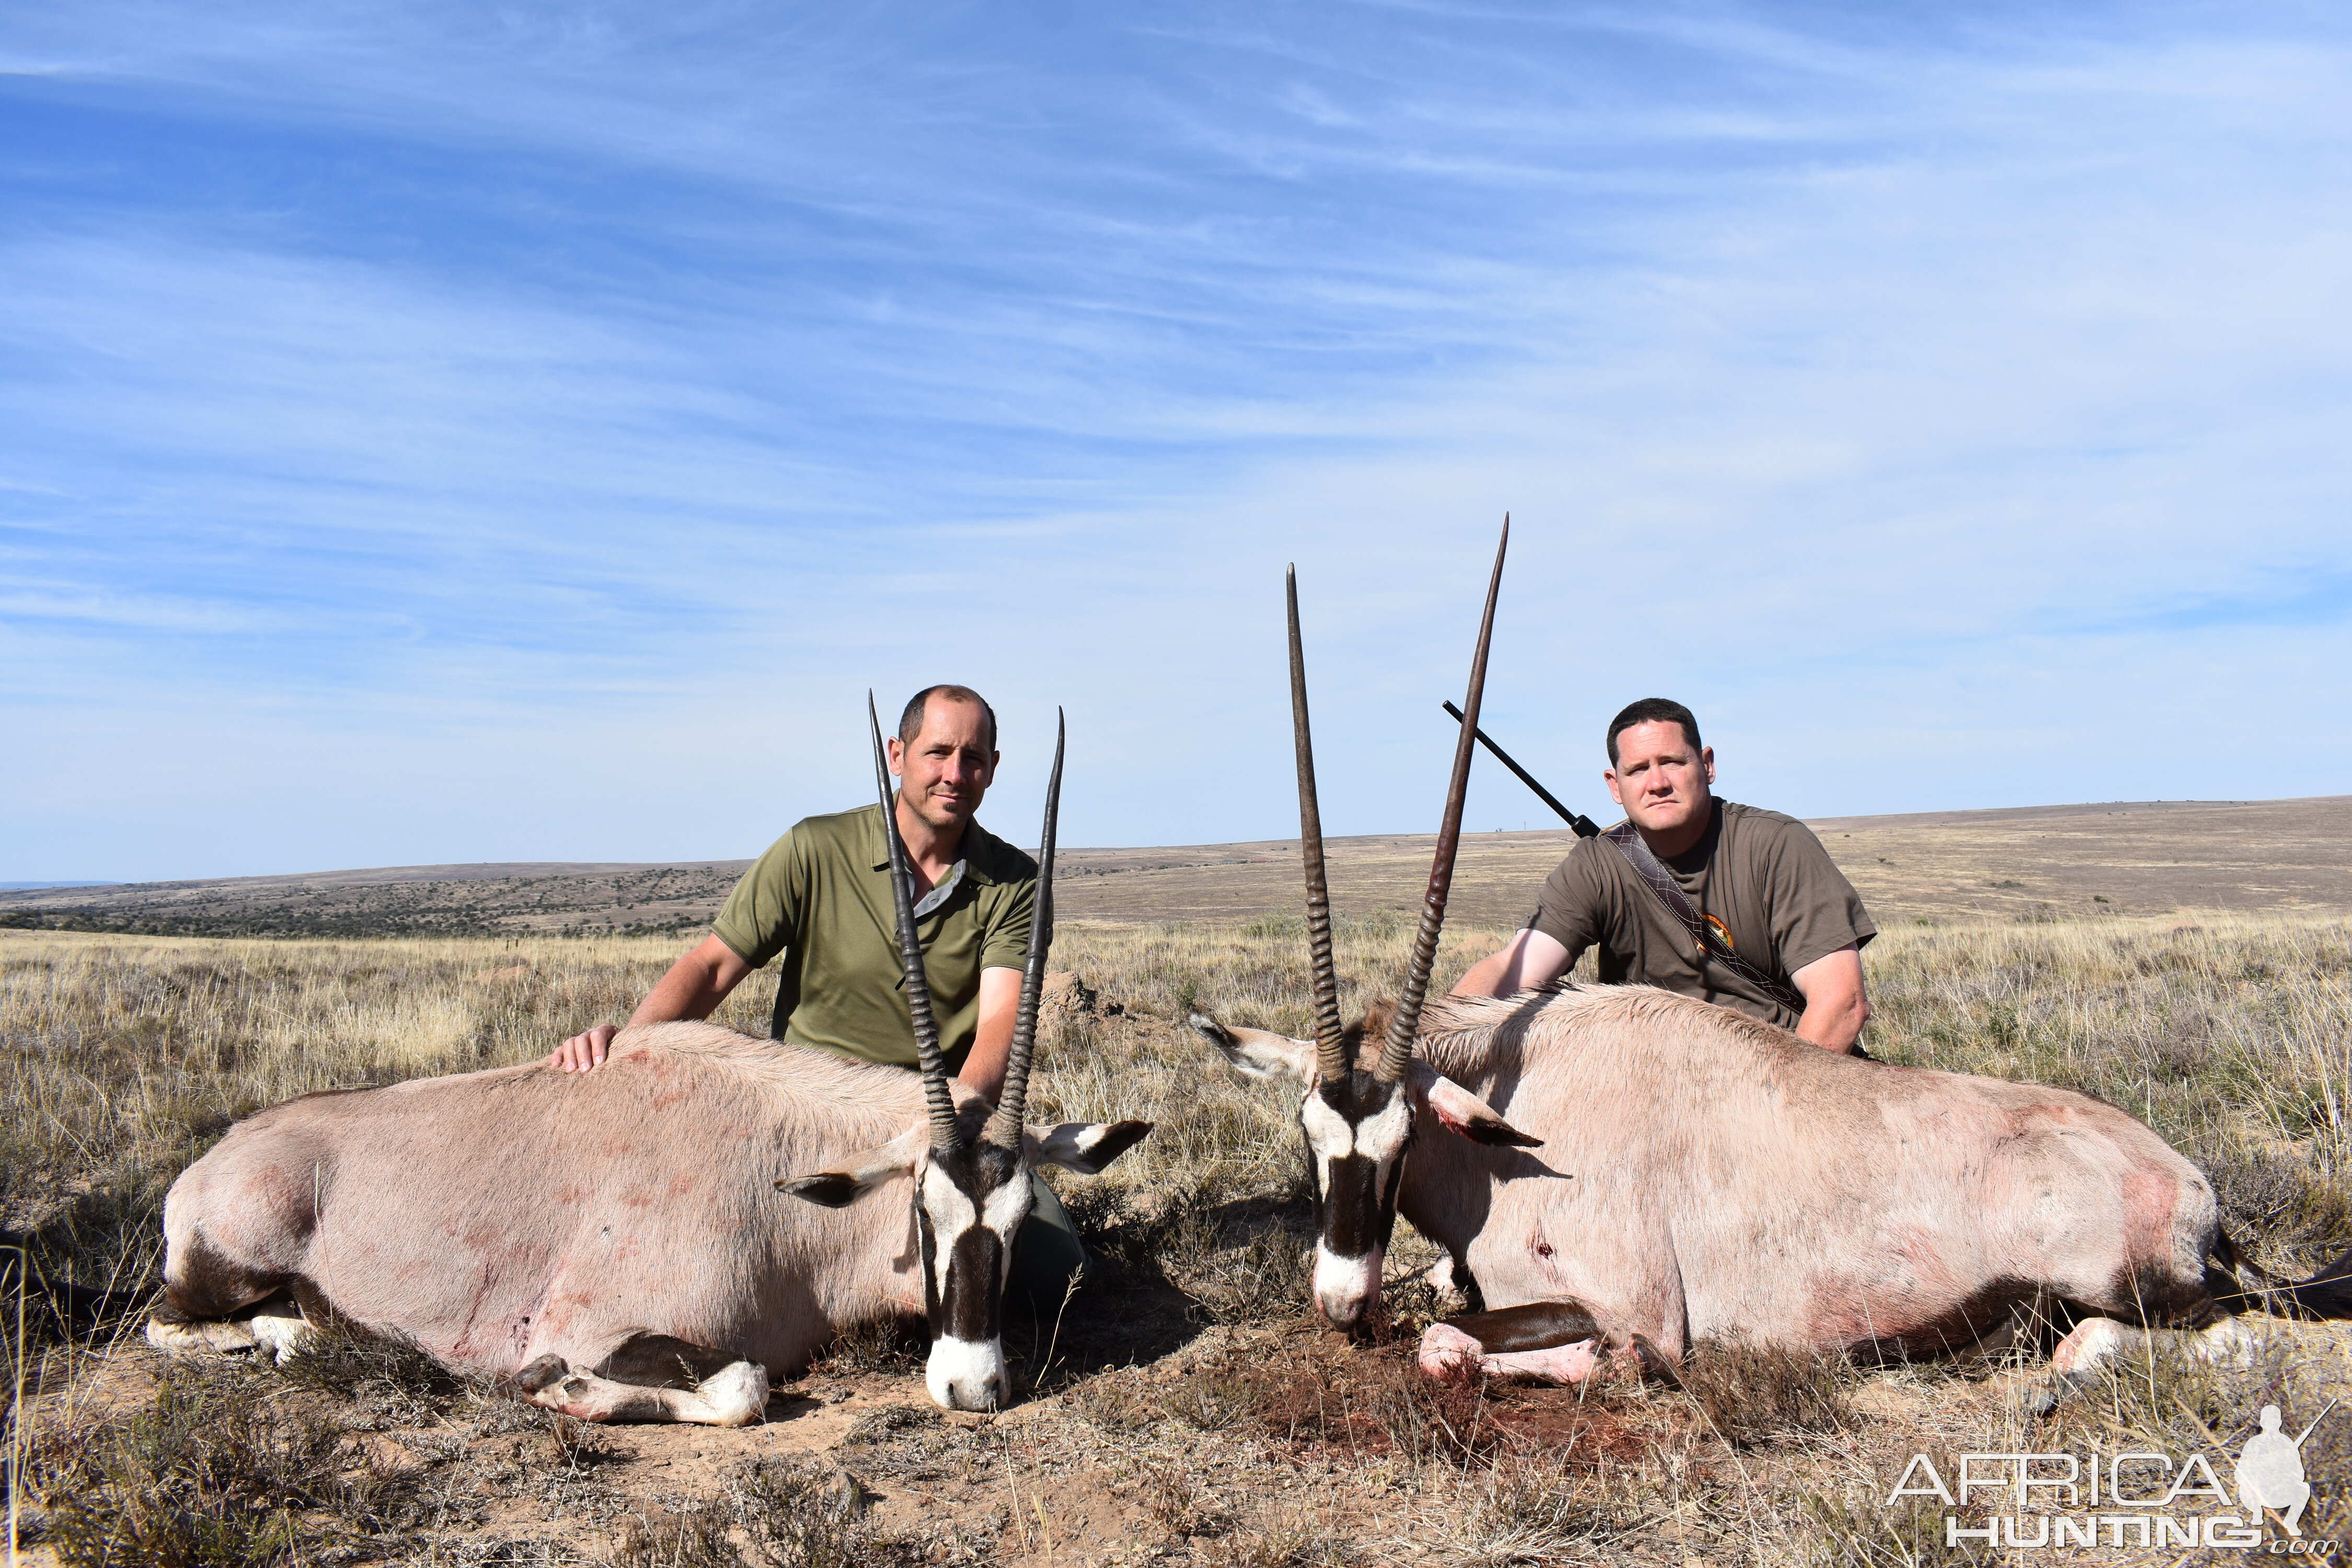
1835	1005
582	1052
695	985
1533	959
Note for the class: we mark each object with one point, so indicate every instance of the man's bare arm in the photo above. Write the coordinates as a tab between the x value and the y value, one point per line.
693	986
1532	959
1836	1007
991	1041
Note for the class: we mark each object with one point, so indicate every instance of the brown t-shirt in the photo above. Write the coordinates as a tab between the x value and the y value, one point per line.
1763	880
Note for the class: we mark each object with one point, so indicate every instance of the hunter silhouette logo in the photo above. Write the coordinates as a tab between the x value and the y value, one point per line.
2127	1497
2270	1470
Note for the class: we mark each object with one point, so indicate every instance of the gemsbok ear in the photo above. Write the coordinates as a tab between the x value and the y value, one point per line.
1085	1147
1258	1052
861	1173
1461	1112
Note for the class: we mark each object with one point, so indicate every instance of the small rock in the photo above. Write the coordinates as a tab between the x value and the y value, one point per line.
1065	994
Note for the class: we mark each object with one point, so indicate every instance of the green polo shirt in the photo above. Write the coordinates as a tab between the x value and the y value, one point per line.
821	897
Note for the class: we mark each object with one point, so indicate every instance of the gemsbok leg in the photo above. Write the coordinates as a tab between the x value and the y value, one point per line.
1544	1342
652	1377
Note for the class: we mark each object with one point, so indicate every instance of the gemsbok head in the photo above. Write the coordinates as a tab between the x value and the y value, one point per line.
972	1190
1363	1086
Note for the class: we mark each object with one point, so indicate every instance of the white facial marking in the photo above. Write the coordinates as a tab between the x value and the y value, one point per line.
1344	1287
1378	1137
1381	1137
1327	1133
964	1374
1006	1207
951	1214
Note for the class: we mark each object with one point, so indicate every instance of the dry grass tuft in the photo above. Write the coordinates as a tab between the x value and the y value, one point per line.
216	1468
1755	1394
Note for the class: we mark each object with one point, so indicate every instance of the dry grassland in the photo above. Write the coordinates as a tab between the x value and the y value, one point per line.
2126	857
1185	1408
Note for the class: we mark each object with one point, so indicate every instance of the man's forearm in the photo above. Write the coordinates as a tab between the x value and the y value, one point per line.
1486	976
984	1067
693	986
677	995
992	1040
1837	1003
1833	1026
1531	959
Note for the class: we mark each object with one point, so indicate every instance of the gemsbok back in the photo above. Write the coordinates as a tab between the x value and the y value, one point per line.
1671	1171
613	1241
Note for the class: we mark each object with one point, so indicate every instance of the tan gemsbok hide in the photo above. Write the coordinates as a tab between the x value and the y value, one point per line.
1618	1172
615	1241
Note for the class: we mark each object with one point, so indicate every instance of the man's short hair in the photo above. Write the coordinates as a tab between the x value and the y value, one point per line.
1654	711
910	722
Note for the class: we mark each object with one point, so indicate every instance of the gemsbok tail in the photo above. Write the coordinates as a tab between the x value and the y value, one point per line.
2326	1294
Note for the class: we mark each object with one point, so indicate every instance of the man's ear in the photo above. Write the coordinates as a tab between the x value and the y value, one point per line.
1258	1052
861	1173
1085	1147
1461	1112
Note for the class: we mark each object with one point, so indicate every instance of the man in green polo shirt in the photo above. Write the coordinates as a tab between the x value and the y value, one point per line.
820	899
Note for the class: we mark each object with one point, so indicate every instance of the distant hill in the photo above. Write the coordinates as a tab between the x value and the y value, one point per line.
2136	857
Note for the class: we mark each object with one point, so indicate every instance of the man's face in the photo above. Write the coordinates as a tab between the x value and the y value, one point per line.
947	770
1660	781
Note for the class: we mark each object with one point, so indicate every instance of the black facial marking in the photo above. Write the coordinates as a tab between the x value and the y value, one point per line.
975	1301
1355	1208
973	1292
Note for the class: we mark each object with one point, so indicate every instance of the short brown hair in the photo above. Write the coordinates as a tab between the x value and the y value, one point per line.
1652	711
910	722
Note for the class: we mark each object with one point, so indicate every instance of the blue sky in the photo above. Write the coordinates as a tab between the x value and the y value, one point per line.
437	433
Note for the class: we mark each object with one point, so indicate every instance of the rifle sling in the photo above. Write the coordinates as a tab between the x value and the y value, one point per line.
1705	944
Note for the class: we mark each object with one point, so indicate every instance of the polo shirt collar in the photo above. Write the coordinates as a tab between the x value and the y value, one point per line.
975	839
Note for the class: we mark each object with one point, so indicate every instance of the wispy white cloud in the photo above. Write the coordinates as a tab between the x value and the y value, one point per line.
449	434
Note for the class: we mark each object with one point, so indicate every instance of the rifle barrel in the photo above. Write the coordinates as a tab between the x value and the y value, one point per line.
1583	824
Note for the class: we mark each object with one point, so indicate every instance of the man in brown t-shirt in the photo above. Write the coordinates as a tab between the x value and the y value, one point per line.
1762	883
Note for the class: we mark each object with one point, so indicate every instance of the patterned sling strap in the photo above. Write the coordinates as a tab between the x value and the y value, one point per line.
1704	940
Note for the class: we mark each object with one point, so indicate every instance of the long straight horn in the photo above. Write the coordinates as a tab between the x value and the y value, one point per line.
1397	1054
1004	1128
1330	1047
945	1133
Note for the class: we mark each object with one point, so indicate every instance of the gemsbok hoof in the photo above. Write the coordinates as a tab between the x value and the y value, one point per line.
548	1369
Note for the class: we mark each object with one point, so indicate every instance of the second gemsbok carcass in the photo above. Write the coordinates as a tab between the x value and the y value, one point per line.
1615	1172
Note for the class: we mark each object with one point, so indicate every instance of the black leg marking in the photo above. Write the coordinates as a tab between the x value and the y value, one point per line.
1537	1326
1474	1299
207	1284
660	1361
547	1369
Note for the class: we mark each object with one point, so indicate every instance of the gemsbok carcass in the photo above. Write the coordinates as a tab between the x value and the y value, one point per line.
613	1242
1616	1173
